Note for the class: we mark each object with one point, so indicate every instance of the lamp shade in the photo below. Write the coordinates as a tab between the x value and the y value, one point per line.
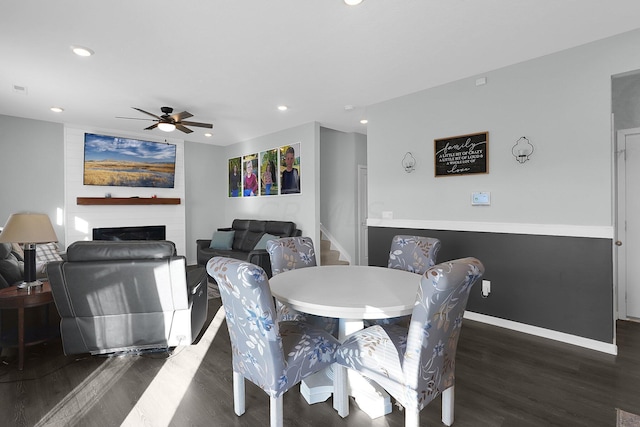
28	228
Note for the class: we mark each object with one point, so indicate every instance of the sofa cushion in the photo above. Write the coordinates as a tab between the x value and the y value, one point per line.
229	254
107	250
250	240
280	228
46	253
262	243
240	224
258	226
222	240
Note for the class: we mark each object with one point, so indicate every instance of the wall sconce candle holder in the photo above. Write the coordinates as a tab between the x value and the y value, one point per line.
409	162
522	150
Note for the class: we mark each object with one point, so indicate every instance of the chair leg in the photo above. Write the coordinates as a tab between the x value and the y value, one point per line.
411	417
275	410
238	393
447	406
340	397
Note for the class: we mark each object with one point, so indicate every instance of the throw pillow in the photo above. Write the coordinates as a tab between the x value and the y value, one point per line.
222	240
45	253
262	243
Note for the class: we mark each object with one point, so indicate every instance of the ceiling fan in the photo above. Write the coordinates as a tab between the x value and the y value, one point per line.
168	122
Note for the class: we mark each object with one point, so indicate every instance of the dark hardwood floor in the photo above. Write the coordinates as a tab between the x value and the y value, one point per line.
503	378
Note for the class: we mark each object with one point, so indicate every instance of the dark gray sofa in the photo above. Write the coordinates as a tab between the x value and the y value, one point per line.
247	232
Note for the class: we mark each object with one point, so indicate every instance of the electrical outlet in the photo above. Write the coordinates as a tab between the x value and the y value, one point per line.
486	288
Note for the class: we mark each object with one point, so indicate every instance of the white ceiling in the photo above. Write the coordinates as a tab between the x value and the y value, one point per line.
231	62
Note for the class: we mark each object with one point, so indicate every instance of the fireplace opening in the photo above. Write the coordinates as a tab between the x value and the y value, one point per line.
147	232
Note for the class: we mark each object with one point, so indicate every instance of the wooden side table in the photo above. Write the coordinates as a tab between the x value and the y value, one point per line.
19	299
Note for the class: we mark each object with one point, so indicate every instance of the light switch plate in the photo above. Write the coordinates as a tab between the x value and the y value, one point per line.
481	198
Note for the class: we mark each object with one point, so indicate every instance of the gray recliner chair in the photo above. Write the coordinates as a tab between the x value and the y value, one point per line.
127	296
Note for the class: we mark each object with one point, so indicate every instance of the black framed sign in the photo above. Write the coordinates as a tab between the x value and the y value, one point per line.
462	155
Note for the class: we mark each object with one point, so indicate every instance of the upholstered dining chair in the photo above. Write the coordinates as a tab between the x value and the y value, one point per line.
290	253
417	364
413	253
410	253
273	355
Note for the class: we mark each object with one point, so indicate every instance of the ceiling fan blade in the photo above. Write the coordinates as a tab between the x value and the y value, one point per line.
182	128
146	112
132	118
202	125
153	126
184	115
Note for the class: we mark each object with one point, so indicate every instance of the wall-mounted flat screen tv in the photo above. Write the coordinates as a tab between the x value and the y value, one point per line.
126	162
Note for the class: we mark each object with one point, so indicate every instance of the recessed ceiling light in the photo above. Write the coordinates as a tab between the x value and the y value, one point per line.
364	121
283	107
57	109
208	135
353	2
82	51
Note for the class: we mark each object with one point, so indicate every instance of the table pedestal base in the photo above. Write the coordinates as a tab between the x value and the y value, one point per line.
317	388
370	397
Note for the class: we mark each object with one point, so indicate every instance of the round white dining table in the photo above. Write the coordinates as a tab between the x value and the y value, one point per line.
352	294
348	292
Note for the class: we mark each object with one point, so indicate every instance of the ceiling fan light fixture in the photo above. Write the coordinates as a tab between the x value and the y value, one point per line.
82	51
166	127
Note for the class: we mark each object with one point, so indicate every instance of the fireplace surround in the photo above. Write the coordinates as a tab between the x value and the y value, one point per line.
147	232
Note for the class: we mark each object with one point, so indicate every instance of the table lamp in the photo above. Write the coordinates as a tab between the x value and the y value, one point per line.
28	229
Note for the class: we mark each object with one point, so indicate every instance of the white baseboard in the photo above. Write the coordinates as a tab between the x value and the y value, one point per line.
544	333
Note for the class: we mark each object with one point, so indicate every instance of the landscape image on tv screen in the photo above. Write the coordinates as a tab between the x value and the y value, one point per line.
114	161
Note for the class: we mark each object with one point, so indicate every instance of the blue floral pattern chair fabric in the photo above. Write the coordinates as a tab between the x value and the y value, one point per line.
417	364
291	253
410	253
273	355
413	253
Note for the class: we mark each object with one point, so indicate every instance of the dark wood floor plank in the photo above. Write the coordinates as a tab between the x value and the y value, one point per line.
503	378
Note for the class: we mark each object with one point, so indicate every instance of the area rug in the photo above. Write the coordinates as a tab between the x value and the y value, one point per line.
627	419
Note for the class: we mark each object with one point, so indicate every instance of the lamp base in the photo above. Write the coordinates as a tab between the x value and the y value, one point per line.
30	285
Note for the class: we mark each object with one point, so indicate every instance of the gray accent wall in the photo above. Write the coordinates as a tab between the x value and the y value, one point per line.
554	282
32	169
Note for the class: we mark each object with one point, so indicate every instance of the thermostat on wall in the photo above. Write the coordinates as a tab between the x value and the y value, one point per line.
482	198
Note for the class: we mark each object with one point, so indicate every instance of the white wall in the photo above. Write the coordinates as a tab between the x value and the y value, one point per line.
81	219
340	153
561	102
300	208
